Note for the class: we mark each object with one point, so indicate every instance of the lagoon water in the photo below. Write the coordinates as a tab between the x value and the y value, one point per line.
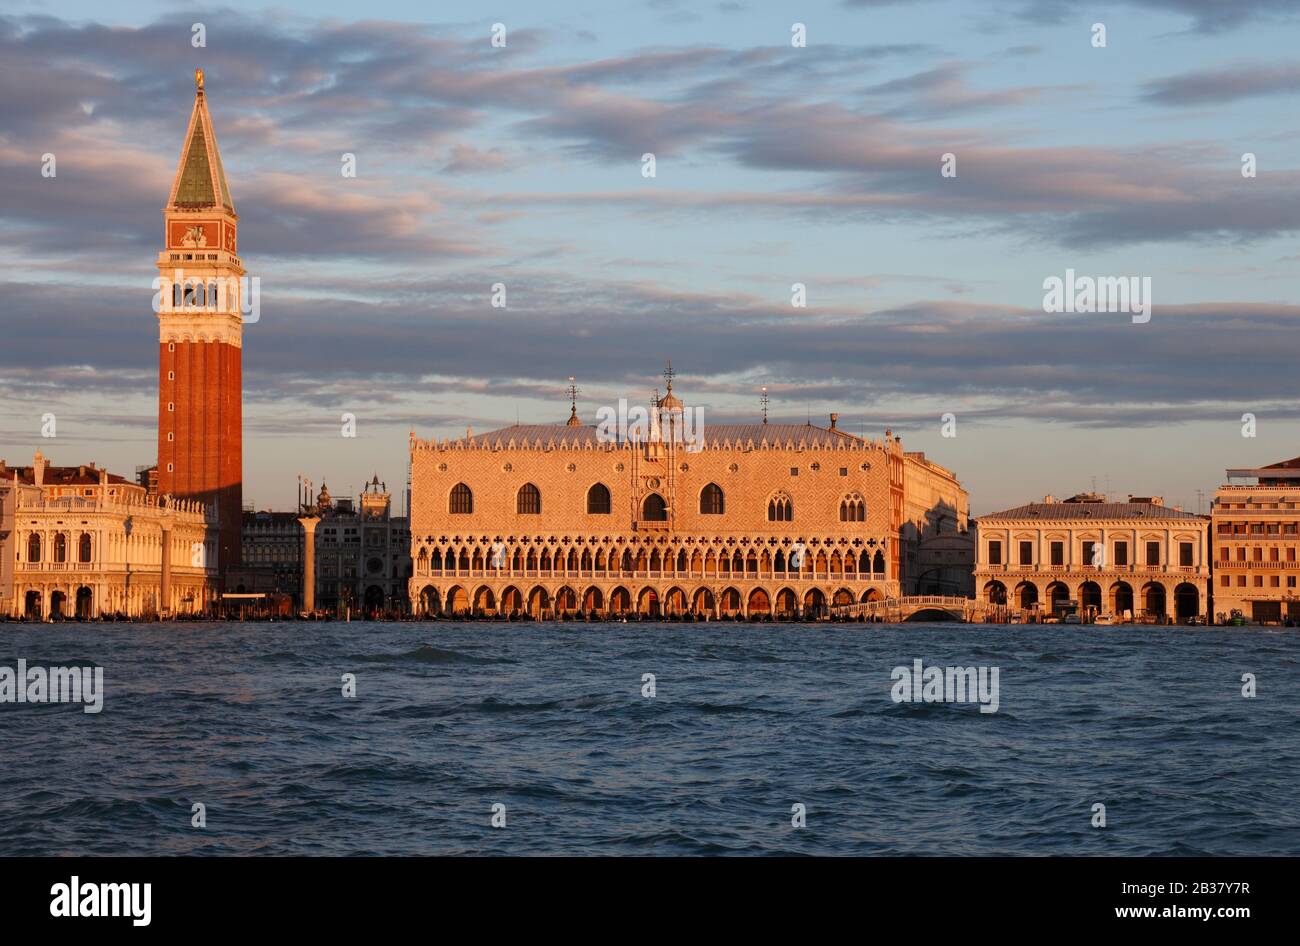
748	720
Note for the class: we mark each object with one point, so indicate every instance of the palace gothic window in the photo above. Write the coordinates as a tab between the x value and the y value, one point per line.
711	503
462	500
529	501
598	500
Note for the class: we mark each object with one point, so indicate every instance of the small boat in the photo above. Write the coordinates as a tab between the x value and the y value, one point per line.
1072	619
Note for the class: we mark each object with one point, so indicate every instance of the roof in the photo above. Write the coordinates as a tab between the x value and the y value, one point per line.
1292	464
1077	510
87	475
563	434
200	177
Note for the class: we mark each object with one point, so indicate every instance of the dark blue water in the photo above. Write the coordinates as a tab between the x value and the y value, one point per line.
748	720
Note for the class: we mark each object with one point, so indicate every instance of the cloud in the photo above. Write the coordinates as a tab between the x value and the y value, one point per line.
1215	87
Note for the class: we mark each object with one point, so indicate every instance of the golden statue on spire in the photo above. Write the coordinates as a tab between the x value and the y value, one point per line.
198	80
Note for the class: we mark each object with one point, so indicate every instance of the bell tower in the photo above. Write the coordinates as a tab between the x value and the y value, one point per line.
200	336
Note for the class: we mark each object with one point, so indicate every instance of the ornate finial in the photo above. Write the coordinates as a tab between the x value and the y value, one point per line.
573	404
669	374
764	399
198	80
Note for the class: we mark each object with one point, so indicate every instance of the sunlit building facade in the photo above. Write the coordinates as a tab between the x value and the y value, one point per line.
1256	529
1134	561
763	520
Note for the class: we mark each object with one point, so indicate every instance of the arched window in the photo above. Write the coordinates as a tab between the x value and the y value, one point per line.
654	509
853	509
462	500
711	500
34	548
598	500
780	509
529	502
83	548
60	547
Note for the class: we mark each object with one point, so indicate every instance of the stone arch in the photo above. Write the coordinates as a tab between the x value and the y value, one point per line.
457	601
620	600
512	600
85	602
598	501
484	600
647	601
593	599
1153	599
843	597
814	602
730	603
995	592
1026	595
1187	601
787	603
1121	598
759	603
539	601
704	602
58	605
1090	596
430	601
675	601
1058	592
566	600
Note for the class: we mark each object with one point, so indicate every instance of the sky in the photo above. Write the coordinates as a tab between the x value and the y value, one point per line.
774	165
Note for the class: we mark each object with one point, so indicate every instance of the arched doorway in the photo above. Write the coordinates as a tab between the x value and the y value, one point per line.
1027	595
786	603
512	600
704	603
457	600
1090	596
995	592
730	601
759	603
647	602
85	599
814	603
484	601
566	600
58	605
620	600
593	600
32	605
1121	600
675	601
430	603
539	602
374	599
1187	601
1058	594
1153	600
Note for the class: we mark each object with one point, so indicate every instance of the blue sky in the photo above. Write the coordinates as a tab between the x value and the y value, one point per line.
775	165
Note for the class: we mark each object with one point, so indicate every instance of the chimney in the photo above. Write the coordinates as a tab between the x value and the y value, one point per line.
834	418
1049	499
38	469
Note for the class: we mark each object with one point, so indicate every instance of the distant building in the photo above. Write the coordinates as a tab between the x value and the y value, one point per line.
763	519
270	557
83	542
938	551
1256	529
1138	560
